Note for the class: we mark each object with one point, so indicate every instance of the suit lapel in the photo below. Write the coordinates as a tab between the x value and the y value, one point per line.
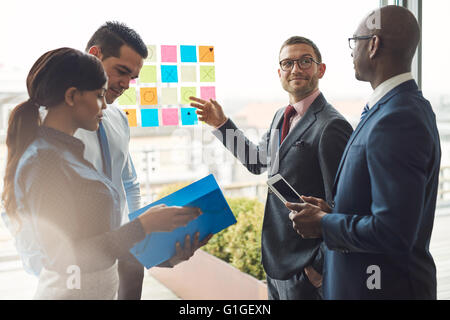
371	112
275	134
302	126
409	85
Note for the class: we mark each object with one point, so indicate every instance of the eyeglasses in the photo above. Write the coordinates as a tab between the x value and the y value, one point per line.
303	63
352	41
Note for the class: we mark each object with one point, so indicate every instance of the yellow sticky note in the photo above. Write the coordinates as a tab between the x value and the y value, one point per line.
206	53
131	115
128	97
187	92
149	97
169	96
148	74
151	57
207	74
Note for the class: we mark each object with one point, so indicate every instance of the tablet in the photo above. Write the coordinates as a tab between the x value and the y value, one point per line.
283	189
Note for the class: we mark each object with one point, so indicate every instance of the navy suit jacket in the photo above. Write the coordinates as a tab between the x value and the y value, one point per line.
385	191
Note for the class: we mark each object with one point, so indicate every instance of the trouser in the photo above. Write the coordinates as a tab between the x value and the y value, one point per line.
131	276
296	288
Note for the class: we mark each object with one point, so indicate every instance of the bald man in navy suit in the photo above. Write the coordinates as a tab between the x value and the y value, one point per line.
378	232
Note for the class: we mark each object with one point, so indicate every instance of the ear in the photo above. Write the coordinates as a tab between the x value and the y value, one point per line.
374	46
279	73
96	51
70	96
322	69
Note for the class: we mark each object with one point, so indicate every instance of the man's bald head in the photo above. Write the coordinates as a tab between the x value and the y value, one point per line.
398	30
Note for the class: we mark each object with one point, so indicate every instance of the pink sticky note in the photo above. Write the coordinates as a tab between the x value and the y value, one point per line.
207	93
132	81
170	116
168	53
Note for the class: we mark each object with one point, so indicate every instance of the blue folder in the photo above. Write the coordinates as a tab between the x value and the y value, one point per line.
158	247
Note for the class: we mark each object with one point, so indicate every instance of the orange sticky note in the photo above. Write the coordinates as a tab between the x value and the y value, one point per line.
206	53
131	115
149	97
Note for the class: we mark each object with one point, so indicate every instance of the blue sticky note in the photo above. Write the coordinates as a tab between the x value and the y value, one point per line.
149	117
188	53
217	215
169	73
188	116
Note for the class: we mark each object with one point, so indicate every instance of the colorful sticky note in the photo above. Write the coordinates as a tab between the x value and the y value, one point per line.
131	115
169	73
149	97
151	57
188	53
170	116
169	96
133	81
168	53
207	74
148	74
187	92
188	116
128	97
205	53
207	93
188	73
149	117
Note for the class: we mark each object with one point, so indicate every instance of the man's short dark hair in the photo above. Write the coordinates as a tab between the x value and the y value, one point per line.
302	40
111	36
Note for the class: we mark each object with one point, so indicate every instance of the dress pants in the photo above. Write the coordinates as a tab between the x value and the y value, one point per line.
131	276
296	288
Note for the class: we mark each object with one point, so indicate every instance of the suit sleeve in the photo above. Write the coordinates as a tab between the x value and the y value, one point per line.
253	156
331	146
399	153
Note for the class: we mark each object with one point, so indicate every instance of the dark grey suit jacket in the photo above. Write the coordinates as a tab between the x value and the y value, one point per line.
308	159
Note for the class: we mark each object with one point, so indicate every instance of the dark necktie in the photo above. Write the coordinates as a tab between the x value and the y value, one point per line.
288	114
104	146
365	111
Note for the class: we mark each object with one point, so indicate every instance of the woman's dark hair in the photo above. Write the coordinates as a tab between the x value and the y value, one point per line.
47	82
112	35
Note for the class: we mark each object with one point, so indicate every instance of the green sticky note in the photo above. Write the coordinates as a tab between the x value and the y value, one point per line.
151	57
148	74
128	98
207	74
188	73
169	96
187	92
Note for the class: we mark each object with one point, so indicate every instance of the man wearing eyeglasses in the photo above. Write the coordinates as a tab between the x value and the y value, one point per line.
304	144
378	234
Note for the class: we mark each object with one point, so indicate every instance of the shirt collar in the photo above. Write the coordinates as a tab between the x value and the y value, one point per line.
64	139
387	86
303	105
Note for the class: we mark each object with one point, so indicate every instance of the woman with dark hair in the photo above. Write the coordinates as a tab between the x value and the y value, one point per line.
72	207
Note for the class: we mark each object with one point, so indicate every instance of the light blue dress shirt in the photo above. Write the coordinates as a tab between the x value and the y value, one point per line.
124	179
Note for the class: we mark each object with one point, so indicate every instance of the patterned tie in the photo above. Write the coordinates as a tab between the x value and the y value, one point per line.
288	114
365	111
104	146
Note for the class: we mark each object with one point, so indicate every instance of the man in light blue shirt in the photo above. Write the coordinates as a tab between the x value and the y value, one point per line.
122	53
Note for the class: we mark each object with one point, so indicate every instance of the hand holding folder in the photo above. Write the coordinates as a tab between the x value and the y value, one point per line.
205	194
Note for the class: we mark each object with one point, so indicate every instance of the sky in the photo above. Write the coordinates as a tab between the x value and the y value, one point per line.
247	36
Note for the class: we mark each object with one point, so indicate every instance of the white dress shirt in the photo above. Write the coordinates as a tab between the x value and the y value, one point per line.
387	86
